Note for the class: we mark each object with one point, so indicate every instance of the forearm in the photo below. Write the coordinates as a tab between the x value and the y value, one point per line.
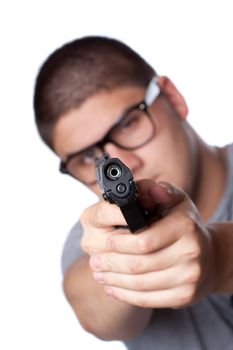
222	234
99	314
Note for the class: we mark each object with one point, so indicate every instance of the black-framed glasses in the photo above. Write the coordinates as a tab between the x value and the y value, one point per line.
134	129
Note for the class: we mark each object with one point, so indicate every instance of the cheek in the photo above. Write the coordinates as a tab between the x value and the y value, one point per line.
171	158
178	165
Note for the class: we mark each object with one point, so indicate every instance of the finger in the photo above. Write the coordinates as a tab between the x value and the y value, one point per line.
102	215
151	281
137	264
157	236
98	222
166	195
162	193
144	197
159	198
167	298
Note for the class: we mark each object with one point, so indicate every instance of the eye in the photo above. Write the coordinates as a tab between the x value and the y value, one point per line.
82	159
87	157
131	121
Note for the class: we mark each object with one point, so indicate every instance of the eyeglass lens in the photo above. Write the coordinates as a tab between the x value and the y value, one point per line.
133	131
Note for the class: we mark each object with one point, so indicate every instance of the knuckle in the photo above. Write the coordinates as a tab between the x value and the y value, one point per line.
141	302
84	216
194	249
98	214
197	274
134	265
92	215
85	244
139	283
108	264
187	296
144	245
194	274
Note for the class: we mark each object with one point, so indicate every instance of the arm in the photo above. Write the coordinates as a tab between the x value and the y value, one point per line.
173	263
100	315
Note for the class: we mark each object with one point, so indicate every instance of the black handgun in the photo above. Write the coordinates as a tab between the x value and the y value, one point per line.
118	186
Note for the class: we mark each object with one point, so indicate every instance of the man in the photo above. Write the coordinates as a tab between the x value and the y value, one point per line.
170	285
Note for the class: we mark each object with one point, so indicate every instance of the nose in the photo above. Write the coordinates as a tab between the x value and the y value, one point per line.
129	158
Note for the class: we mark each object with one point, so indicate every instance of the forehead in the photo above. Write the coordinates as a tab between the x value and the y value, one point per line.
87	124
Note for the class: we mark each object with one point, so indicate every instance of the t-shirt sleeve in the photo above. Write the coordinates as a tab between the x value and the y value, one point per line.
72	249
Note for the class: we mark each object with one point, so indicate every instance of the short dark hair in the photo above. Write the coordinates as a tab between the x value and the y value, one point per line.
79	69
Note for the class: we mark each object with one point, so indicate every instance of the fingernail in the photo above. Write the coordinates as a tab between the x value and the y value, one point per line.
95	262
99	277
168	187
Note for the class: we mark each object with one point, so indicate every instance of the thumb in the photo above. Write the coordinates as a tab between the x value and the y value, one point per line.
165	196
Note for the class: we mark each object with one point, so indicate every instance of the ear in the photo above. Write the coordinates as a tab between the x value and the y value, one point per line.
173	96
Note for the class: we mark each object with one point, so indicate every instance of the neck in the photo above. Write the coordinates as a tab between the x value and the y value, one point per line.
211	180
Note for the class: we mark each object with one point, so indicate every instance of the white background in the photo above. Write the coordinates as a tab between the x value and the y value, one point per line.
190	41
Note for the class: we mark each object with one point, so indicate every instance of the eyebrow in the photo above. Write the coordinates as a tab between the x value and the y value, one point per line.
119	119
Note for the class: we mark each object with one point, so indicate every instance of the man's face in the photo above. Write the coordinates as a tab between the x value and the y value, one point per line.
169	156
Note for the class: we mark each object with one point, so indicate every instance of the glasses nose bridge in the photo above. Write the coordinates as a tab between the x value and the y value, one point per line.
100	145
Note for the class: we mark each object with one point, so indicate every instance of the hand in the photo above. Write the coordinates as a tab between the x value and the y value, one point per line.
99	222
170	264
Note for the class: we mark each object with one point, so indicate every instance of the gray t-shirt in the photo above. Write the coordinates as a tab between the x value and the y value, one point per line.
207	325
